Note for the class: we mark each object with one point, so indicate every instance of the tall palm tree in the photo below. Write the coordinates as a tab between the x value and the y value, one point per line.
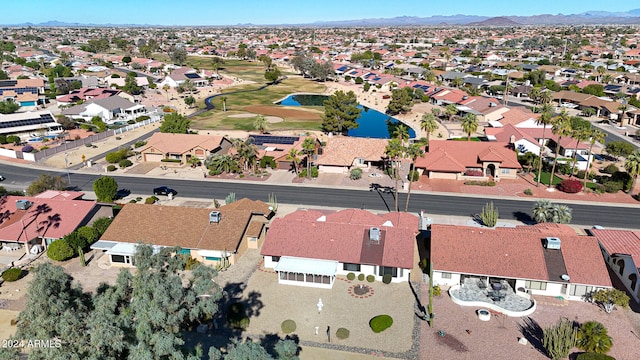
632	165
261	124
247	153
561	127
224	103
428	124
542	211
596	136
293	157
401	132
395	152
469	124
561	214
593	338
413	152
579	135
451	110
222	164
601	70
544	119
534	95
308	149
622	108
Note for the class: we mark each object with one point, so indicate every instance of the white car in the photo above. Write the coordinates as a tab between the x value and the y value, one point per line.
1	178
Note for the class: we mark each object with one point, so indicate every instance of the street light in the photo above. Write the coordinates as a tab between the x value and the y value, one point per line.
66	165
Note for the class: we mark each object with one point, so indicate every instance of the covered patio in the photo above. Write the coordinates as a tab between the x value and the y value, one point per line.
306	272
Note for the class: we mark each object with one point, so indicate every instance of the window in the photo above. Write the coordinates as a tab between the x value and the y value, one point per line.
117	259
253	239
504	171
446	275
275	258
382	270
535	285
581	290
351	267
185	251
212	258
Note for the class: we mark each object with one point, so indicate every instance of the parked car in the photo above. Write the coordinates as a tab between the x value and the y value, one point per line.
1	178
164	190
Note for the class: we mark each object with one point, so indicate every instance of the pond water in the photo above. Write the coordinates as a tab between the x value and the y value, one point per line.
371	123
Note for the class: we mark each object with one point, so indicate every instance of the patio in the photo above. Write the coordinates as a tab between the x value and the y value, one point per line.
498	296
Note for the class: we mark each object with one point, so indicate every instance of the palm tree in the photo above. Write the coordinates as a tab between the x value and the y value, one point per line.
395	151
542	210
546	97
224	103
166	90
596	136
222	164
593	338
632	165
561	127
622	108
436	111
428	124
562	214
293	157
544	119
534	95
469	124
261	124
308	149
451	110
579	135
601	70
412	151
401	132
247	153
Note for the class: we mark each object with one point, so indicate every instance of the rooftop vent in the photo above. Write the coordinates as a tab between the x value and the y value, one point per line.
214	217
374	235
564	277
23	204
492	104
552	243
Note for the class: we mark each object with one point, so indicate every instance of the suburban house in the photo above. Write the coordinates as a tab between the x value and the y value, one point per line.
486	109
26	123
311	247
468	160
110	109
341	153
278	148
521	139
178	76
87	93
183	147
217	237
26	92
621	251
543	259
41	219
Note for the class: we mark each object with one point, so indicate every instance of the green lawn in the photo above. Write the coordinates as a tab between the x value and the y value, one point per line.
544	179
465	139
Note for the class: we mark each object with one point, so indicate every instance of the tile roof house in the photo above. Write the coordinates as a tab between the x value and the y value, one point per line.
311	247
341	153
41	219
621	251
521	257
85	94
468	160
212	236
25	123
110	109
183	147
26	92
486	109
522	141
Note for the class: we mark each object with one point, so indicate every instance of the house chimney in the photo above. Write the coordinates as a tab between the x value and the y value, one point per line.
512	139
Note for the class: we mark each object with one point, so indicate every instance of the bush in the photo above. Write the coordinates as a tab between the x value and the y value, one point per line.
413	175
570	186
171	160
612	187
593	337
610	169
380	323
386	278
594	356
12	274
473	173
590	176
111	168
528	192
139	144
361	277
142	118
371	278
88	234
125	163
355	174
437	291
88	145
314	172
342	333
480	183
150	200
288	326
59	250
236	316
268	161
351	276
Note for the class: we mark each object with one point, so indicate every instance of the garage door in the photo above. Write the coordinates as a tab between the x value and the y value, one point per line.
153	157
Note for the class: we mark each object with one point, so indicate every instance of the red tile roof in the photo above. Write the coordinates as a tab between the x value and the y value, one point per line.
169	143
516	116
620	242
455	156
46	217
343	150
516	252
343	236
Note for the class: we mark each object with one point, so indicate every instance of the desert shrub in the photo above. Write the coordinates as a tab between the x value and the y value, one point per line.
87	233
59	250
314	172
437	290
351	276
624	178
610	169
150	200
593	337
191	263
125	163
570	186
380	323
528	192
480	183
342	333
236	316
361	277
171	160
371	278
139	144
131	122
612	187
413	175
288	326
558	339
142	118
113	157
355	174
111	168
386	278
594	356
12	274
101	225
590	176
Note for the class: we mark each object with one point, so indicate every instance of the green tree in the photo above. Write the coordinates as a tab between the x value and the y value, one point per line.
594	89
544	119
561	127
272	75
261	124
46	182
60	250
177	54
340	112
622	108
619	148
428	124
105	188
593	338
559	339
450	110
175	123
9	107
413	151
580	131
295	161
189	101
99	124
131	84
308	149
401	101
246	153
632	165
545	211
247	350
469	124
223	163
608	299
395	152
596	135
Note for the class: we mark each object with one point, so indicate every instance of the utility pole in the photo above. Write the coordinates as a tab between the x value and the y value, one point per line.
66	165
506	90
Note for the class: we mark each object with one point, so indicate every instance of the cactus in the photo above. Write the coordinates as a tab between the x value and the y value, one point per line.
489	215
82	260
231	198
559	339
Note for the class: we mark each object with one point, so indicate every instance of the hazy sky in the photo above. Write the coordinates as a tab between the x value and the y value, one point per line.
259	12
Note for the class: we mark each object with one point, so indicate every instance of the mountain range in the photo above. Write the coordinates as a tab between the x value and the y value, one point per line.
631	17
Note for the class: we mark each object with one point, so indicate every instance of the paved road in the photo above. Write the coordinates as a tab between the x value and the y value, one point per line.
304	195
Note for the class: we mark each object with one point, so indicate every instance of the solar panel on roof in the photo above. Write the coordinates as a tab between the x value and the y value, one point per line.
270	139
192	76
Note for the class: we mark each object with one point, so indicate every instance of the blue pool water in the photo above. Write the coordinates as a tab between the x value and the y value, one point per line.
35	139
371	123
